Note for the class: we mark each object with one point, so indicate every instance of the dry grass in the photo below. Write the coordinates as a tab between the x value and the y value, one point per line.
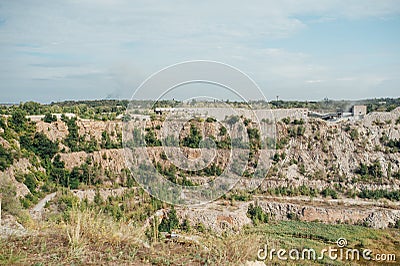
233	249
87	228
90	238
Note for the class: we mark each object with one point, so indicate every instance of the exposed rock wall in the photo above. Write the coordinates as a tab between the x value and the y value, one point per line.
219	217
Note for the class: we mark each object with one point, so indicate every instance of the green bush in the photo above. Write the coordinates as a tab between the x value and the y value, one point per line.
211	120
200	227
10	202
31	182
193	139
72	139
151	139
354	134
286	120
393	195
257	215
39	144
48	118
169	223
18	121
185	226
370	171
397	224
298	121
6	158
222	131
293	216
329	192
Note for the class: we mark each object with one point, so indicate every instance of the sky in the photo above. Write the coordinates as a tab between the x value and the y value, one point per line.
297	50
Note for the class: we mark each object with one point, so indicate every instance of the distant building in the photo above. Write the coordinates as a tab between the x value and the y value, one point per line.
359	111
37	118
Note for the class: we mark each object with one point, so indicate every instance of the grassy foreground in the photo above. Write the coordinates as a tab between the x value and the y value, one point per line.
94	238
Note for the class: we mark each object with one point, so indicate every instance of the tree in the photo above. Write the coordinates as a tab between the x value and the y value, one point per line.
30	182
194	138
186	225
362	170
44	147
151	139
222	131
72	140
170	223
376	169
31	108
105	140
6	158
57	163
257	215
74	178
48	118
286	120
39	144
18	120
211	120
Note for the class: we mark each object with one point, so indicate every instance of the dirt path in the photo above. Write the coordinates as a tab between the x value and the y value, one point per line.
37	210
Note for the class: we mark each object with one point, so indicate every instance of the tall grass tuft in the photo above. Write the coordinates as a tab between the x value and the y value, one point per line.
87	227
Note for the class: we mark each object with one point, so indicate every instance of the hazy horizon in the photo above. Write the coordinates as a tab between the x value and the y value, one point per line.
268	100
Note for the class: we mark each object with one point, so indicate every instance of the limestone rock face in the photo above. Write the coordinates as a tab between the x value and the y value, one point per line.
55	131
96	128
21	166
316	154
217	217
221	217
383	218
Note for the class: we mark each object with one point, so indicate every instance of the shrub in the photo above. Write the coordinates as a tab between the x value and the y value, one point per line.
6	158
293	216
298	121
222	131
170	223
18	121
302	169
151	139
211	120
193	139
257	215
380	193
31	182
39	144
48	118
329	192
185	226
397	224
354	134
367	171
72	139
281	143
200	227
286	120
10	203
224	144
